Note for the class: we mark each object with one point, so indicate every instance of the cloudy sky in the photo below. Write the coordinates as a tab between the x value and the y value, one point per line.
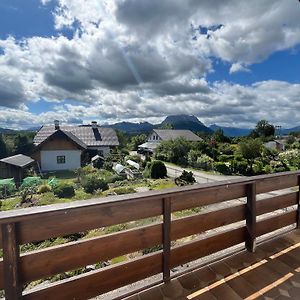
230	62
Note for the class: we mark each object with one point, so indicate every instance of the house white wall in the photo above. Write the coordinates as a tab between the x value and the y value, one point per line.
49	160
153	137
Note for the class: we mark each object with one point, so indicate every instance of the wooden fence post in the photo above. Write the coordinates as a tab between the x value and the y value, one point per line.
251	217
298	208
11	255
166	238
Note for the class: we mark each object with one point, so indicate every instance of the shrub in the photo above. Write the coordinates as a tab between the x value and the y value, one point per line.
44	188
205	162
222	168
187	177
239	166
86	170
91	183
31	182
7	187
155	169
64	190
124	190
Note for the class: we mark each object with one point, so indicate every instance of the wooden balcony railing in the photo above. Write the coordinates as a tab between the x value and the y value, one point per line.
40	223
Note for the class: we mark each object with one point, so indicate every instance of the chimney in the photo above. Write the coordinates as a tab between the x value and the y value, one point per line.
94	124
56	124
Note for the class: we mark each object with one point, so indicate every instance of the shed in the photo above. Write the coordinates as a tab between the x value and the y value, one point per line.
15	166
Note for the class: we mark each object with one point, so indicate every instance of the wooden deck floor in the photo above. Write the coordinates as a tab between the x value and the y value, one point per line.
272	272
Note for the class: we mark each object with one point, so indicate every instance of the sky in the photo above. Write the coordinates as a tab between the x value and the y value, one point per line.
229	62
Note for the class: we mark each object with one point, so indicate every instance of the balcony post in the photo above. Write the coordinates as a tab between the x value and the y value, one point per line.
166	238
251	217
298	207
11	256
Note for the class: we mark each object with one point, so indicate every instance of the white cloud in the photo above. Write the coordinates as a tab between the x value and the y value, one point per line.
132	59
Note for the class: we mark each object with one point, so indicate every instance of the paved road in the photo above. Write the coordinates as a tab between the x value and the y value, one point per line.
201	177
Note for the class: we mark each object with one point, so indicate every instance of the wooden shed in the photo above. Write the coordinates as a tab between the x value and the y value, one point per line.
15	166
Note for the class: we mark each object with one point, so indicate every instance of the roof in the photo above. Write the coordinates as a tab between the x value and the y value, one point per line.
172	134
18	160
84	135
118	168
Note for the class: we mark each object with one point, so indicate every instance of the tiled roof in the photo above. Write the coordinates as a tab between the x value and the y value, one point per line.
18	160
100	136
172	134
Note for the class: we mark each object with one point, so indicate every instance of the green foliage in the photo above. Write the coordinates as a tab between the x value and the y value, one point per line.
222	168
123	190
136	141
263	129
219	136
174	151
64	190
239	166
44	188
155	169
92	183
291	158
251	149
86	170
7	187
3	148
31	182
23	144
187	177
152	249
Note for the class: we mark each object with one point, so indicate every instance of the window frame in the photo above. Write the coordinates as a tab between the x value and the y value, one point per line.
60	159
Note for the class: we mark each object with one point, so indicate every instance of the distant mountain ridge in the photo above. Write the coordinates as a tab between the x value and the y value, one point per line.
175	121
231	131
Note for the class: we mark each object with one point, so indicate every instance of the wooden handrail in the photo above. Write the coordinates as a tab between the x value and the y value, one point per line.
35	224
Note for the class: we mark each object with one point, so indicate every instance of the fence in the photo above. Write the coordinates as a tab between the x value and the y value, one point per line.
41	223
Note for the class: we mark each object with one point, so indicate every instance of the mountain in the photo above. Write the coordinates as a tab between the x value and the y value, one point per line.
185	122
289	130
132	128
231	131
6	130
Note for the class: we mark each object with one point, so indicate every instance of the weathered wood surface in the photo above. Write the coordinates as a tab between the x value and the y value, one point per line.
41	223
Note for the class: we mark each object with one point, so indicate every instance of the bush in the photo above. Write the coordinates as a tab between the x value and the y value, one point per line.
7	187
222	168
239	166
91	183
31	182
64	190
44	188
155	169
187	177
86	170
205	162
124	190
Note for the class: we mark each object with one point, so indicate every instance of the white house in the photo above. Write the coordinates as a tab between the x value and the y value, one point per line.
159	135
67	147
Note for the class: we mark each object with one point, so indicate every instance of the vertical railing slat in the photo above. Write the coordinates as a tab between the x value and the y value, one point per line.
166	238
11	255
251	217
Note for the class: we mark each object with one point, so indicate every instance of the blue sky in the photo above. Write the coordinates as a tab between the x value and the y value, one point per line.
78	60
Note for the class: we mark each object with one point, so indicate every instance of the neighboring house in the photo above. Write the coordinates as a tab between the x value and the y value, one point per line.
278	145
159	135
15	167
67	147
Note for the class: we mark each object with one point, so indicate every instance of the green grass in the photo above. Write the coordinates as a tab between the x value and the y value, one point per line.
118	259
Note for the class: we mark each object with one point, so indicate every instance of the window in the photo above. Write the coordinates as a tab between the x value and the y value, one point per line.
61	159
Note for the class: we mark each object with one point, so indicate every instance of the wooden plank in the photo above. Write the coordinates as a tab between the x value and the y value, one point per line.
58	259
12	285
267	184
205	221
203	247
166	238
277	202
250	242
276	222
94	283
209	196
68	222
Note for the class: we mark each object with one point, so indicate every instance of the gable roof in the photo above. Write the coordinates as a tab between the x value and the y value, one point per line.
18	160
85	136
172	134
